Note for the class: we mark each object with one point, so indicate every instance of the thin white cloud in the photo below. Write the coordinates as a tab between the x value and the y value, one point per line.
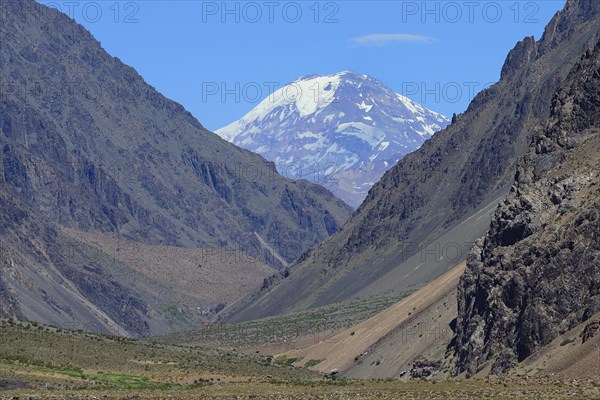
386	39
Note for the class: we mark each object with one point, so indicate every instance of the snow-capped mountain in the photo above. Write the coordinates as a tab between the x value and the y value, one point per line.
343	131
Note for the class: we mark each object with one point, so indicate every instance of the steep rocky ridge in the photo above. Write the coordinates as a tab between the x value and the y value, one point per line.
536	274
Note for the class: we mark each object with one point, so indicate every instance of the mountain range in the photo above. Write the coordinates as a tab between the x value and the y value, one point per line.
343	131
122	214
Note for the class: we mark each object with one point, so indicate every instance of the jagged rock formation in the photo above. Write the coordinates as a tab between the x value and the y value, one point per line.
427	199
590	331
424	369
536	274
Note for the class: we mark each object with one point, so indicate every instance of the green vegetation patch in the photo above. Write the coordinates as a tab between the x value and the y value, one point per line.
292	360
174	312
567	341
121	381
312	363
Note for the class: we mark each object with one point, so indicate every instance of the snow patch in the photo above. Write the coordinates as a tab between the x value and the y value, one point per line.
307	134
364	106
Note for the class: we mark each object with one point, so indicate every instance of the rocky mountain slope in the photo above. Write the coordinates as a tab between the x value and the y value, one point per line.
423	216
93	146
87	144
343	131
536	274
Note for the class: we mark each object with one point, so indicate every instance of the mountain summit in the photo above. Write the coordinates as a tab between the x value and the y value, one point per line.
343	131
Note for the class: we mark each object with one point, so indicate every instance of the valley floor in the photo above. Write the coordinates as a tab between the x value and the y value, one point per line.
44	362
380	390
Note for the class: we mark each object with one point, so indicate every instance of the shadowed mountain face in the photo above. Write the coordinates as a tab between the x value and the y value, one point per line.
87	144
443	194
343	131
536	274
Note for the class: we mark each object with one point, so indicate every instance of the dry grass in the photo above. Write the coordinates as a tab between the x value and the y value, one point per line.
40	362
376	390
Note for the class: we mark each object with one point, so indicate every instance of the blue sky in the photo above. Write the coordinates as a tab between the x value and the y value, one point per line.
213	56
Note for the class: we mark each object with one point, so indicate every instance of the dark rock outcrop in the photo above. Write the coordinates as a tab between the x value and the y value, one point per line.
425	369
592	329
536	274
